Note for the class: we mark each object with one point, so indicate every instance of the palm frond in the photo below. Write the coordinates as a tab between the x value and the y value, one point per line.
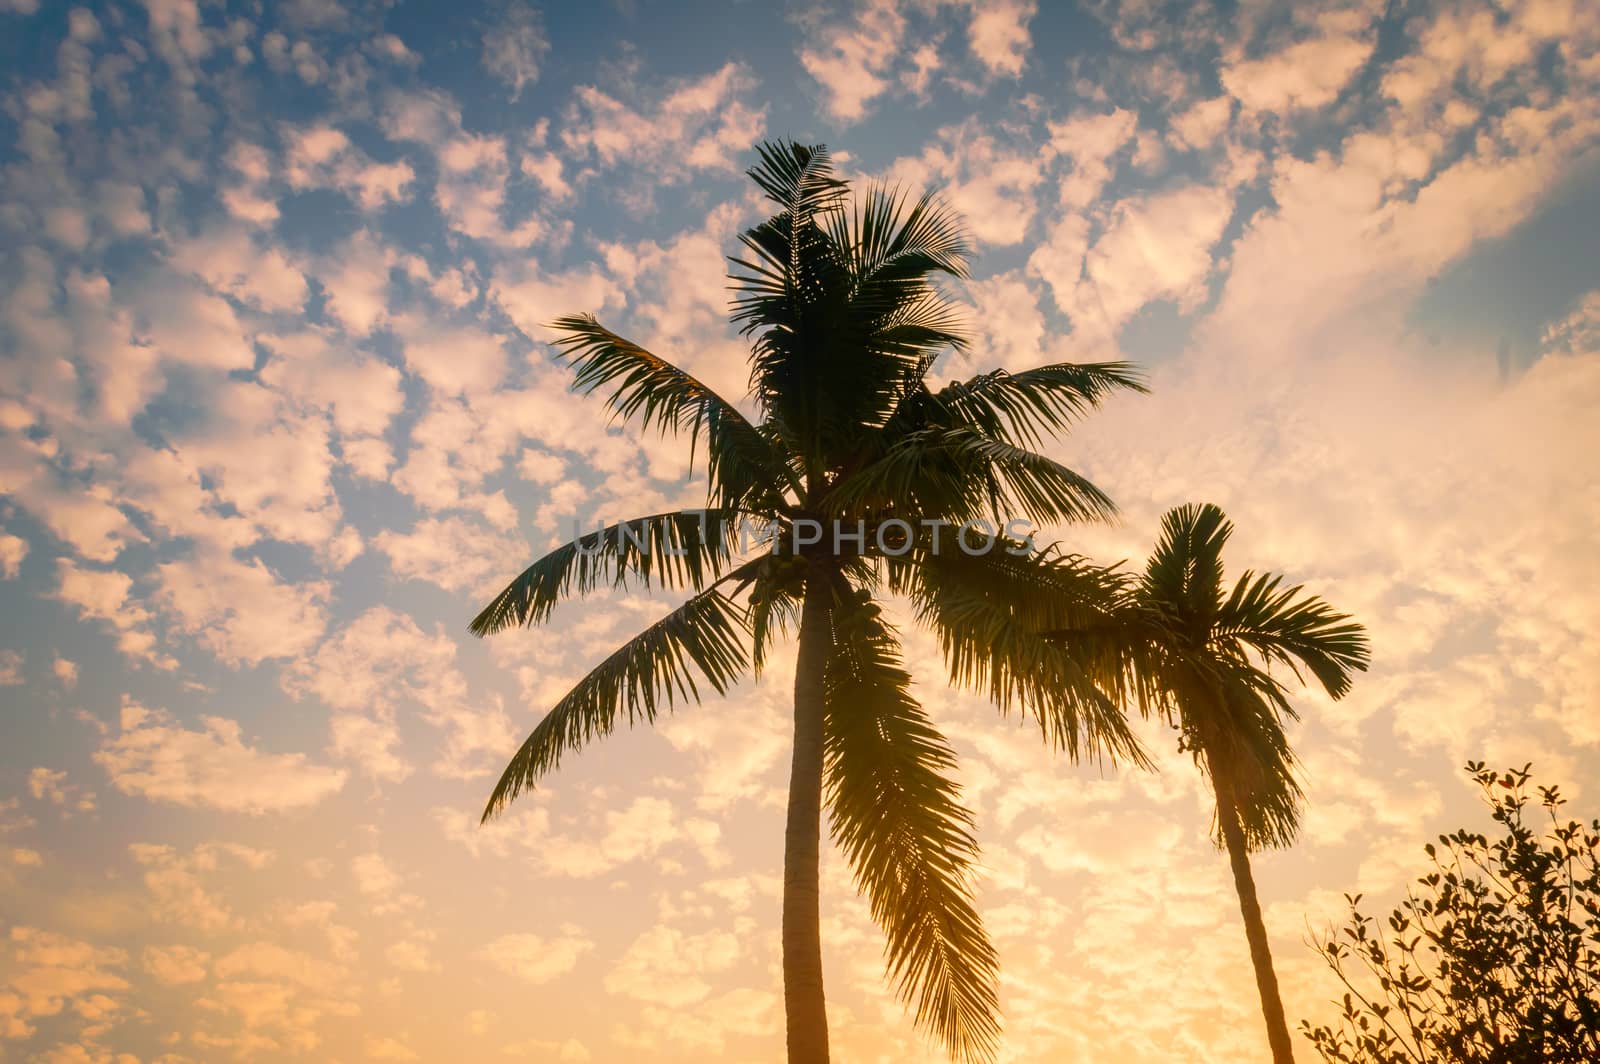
682	549
898	818
789	248
656	669
742	464
797	177
992	636
962	474
1185	572
777	588
1243	739
1025	408
892	244
840	303
1287	626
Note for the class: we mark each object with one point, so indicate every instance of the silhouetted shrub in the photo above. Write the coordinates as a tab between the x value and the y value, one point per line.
1491	959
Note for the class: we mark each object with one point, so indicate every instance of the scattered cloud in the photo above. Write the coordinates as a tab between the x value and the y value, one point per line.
514	47
155	757
700	124
534	959
851	60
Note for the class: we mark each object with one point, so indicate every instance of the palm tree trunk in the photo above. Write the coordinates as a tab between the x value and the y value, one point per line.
805	1008
1255	929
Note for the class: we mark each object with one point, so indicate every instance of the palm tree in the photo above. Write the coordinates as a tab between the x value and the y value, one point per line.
1203	662
837	296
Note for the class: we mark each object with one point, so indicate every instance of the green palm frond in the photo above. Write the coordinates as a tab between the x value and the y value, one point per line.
893	250
962	474
657	668
777	587
682	549
993	642
1242	737
842	308
791	252
1025	408
898	818
797	177
1287	626
742	464
890	244
1185	572
789	288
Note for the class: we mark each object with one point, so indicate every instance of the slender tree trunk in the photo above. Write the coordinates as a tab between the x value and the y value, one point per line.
804	1006
1255	929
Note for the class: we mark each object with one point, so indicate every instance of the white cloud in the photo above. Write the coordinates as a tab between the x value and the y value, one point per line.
998	34
387	1047
104	596
369	743
321	156
456	553
851	61
155	757
87	518
533	297
606	840
51	786
319	371
1304	75
239	610
381	885
541	1049
271	987
230	262
1153	248
383	660
514	47
454	360
1090	142
410	955
989	182
540	467
666	967
46	971
183	888
702	124
534	959
356	281
1203	122
473	169
193	326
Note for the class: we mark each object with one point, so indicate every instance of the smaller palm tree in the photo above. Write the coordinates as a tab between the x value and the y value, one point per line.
1202	660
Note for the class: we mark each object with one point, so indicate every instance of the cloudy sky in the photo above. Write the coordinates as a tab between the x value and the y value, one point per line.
277	413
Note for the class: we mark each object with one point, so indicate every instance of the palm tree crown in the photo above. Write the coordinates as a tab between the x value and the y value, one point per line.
1202	657
838	296
1207	666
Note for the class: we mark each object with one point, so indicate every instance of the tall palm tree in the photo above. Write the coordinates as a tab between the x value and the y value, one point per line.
838	297
1201	658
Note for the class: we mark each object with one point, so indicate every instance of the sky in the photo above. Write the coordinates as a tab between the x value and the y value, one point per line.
277	414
